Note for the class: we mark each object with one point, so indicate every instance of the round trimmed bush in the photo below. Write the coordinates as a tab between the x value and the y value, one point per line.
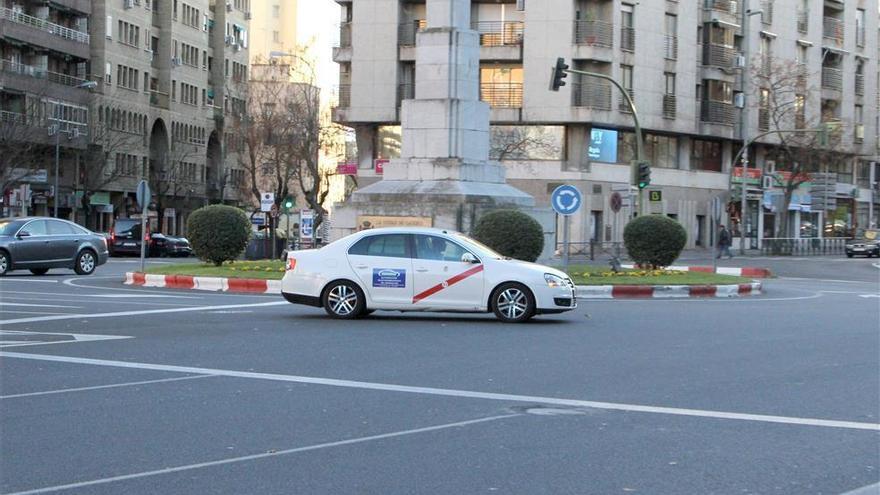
218	233
654	241
511	233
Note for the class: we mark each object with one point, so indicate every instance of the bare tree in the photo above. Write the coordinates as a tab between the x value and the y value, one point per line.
23	147
782	97
519	142
172	177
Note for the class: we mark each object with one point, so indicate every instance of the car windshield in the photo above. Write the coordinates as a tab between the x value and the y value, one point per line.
478	247
9	227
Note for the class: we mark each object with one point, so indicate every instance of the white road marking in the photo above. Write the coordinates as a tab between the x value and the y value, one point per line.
78	316
865	490
264	455
454	393
6	303
140	296
800	279
869	295
99	387
20	312
72	337
22	279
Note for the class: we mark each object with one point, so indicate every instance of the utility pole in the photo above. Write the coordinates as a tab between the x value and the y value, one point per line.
745	80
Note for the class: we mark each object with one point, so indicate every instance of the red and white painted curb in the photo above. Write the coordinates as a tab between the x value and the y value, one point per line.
257	286
250	285
666	291
750	272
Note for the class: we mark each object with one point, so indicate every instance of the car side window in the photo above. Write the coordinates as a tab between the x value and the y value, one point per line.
59	228
36	227
429	247
388	245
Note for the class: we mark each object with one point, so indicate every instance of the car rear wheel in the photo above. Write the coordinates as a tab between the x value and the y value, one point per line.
85	262
39	271
344	300
513	303
5	265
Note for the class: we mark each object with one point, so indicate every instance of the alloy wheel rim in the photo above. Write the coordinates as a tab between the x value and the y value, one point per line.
87	262
3	263
512	303
342	299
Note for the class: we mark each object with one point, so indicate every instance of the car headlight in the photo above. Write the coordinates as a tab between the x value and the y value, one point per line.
553	280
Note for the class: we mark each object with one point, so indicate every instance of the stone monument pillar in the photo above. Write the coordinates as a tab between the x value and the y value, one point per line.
444	177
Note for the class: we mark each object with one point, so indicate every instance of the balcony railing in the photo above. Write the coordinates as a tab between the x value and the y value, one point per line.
832	29
670	45
803	20
727	6
498	33
8	117
623	105
594	33
595	95
717	112
764	119
628	39
669	106
502	95
38	73
406	31
159	99
44	25
405	91
860	84
343	96
719	56
344	40
832	78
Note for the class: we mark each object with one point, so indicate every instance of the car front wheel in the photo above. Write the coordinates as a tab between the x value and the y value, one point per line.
513	303
344	300
85	263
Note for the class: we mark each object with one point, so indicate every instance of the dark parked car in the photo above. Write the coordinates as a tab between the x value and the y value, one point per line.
166	245
125	237
867	244
40	244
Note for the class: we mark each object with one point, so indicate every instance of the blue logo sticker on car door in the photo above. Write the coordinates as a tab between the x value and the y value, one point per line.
389	278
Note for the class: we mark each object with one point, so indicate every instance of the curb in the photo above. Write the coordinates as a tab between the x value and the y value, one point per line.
751	272
258	286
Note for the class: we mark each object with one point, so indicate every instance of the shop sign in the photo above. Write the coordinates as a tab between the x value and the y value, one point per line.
753	176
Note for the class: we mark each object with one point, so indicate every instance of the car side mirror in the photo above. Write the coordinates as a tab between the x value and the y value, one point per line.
23	234
469	258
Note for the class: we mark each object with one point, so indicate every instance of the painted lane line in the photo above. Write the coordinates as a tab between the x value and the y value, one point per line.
81	300
21	279
19	312
141	296
800	279
469	394
6	303
99	387
869	295
865	490
80	316
253	457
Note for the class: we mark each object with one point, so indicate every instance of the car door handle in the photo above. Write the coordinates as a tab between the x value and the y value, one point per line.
361	267
421	270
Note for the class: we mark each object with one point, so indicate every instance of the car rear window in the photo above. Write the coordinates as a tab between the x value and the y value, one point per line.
123	226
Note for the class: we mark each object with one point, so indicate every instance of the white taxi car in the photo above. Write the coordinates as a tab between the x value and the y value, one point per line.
421	269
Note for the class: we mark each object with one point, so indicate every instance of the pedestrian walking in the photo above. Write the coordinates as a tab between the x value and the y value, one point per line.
724	241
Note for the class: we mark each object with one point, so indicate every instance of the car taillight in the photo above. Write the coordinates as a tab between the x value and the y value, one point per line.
291	263
112	236
147	237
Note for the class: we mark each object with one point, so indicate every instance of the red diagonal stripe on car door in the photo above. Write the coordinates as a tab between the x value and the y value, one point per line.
452	281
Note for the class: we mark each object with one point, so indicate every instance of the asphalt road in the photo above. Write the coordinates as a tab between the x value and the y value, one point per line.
107	388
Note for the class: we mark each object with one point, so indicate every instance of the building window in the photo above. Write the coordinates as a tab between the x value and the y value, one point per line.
660	150
526	142
706	155
276	11
388	142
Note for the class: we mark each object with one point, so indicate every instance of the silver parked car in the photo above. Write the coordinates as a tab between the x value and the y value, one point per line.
41	243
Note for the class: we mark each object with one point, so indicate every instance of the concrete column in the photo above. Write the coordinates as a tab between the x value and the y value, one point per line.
451	13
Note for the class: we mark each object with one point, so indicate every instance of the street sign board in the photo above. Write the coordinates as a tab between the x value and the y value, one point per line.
566	199
347	168
616	201
267	199
655	195
143	194
379	165
306	224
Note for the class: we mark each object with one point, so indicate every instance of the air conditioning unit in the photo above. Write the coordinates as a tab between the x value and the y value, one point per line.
129	4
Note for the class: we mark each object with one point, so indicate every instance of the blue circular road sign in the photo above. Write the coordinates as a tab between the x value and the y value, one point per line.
566	199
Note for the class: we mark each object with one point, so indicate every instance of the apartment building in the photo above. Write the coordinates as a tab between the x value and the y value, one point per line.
167	78
690	68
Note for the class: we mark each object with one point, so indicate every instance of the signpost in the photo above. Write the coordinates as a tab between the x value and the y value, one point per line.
306	227
655	196
143	196
566	201
267	199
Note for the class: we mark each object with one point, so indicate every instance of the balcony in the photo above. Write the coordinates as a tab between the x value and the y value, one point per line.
405	91
832	78
717	112
594	33
33	30
763	119
44	25
670	47
38	73
30	79
7	117
159	99
406	32
627	39
498	33
669	106
803	20
832	30
595	95
860	85
344	40
719	56
502	95
726	6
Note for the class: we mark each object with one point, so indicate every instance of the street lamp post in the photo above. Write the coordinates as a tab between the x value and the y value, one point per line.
57	130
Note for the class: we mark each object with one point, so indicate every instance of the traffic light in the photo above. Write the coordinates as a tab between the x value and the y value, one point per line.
556	81
643	174
287	204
